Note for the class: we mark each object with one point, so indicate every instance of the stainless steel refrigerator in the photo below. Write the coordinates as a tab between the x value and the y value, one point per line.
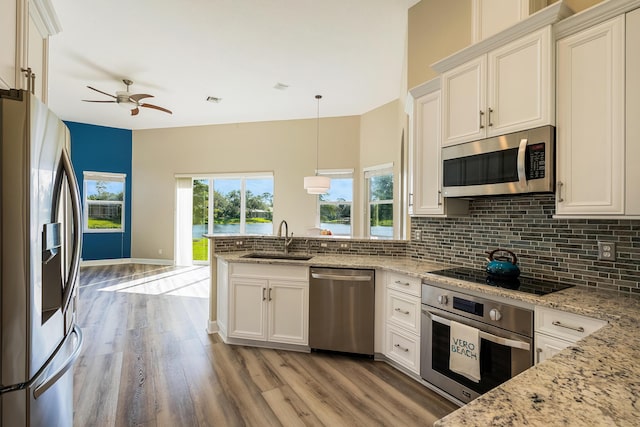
40	229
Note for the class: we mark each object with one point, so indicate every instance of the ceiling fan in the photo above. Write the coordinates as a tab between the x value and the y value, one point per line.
130	101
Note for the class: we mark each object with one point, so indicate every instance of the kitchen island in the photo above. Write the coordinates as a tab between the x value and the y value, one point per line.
594	382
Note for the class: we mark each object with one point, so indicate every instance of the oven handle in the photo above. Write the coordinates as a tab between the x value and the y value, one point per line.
484	335
522	174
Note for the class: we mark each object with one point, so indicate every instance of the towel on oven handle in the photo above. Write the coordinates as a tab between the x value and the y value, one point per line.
464	354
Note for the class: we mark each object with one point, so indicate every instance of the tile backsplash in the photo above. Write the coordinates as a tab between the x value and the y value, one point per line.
552	249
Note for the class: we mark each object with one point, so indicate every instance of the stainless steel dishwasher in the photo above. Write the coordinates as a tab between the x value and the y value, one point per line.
341	308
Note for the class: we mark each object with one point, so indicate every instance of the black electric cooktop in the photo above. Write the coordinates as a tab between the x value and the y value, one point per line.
523	284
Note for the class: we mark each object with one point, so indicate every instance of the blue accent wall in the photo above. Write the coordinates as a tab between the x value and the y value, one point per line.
103	149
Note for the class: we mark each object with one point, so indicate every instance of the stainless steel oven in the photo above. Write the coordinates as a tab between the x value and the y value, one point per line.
505	332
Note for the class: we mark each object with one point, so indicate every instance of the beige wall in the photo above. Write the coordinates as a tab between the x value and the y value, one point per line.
288	148
380	139
436	30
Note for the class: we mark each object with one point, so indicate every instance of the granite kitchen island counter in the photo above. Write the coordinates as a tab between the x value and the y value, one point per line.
593	382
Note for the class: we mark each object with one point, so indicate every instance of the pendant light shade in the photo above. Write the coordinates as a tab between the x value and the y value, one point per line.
317	184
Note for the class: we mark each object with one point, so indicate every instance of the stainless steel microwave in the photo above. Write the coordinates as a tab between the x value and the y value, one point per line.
519	162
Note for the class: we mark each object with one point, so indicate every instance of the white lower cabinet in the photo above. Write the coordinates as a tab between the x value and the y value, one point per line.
403	347
556	330
268	303
402	320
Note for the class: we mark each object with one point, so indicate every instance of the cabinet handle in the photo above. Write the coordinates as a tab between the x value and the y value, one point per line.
439	198
481	114
410	199
401	348
489	118
399	310
264	296
270	289
538	353
573	328
560	199
398	282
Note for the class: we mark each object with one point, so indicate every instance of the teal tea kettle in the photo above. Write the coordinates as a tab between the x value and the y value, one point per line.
500	266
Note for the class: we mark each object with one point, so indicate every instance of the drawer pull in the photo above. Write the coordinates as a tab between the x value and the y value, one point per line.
398	282
399	310
573	328
406	350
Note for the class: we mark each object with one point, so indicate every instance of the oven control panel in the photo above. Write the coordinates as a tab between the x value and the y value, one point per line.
496	313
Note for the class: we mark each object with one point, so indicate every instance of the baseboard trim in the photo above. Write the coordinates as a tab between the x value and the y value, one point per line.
212	327
118	261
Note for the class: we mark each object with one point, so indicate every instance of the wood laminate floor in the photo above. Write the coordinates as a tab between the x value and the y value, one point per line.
148	361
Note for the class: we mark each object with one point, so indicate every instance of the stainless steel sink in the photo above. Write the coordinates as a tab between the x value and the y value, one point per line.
275	255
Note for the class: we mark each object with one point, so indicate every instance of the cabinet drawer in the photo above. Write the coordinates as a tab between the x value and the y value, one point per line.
403	310
400	282
547	347
563	325
403	347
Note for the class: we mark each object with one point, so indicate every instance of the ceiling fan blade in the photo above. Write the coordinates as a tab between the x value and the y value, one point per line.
99	91
135	111
138	96
90	100
155	107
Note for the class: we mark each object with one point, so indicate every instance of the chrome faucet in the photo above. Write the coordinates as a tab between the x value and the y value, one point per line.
287	240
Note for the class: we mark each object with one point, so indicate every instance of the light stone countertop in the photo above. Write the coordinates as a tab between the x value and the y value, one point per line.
593	382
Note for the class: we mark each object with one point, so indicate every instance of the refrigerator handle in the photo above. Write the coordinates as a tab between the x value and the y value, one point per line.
51	380
77	229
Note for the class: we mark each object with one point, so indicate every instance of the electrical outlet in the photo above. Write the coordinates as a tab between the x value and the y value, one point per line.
323	244
418	234
344	246
606	251
159	251
239	242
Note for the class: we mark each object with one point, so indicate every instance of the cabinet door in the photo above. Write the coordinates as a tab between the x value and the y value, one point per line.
427	197
590	118
8	31
463	102
288	312
247	308
632	143
547	347
520	84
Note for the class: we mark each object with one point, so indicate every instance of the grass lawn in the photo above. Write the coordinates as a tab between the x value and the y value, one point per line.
103	223
200	249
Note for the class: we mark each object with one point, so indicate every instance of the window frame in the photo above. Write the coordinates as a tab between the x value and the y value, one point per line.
370	172
109	177
243	177
338	174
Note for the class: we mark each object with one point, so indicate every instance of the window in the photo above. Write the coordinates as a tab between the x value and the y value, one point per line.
104	202
335	207
379	185
230	204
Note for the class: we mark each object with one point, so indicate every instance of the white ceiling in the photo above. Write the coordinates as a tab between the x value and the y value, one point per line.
349	51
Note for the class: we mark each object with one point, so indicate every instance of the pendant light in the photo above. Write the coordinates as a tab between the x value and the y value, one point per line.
317	184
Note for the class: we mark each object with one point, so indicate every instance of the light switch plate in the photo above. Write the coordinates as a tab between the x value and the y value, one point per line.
606	251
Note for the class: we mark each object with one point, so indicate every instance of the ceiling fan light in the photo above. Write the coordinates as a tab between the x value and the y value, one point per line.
317	184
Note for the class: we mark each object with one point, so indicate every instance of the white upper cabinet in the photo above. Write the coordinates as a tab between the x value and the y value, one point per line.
25	28
425	176
591	121
506	90
9	27
464	102
492	16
